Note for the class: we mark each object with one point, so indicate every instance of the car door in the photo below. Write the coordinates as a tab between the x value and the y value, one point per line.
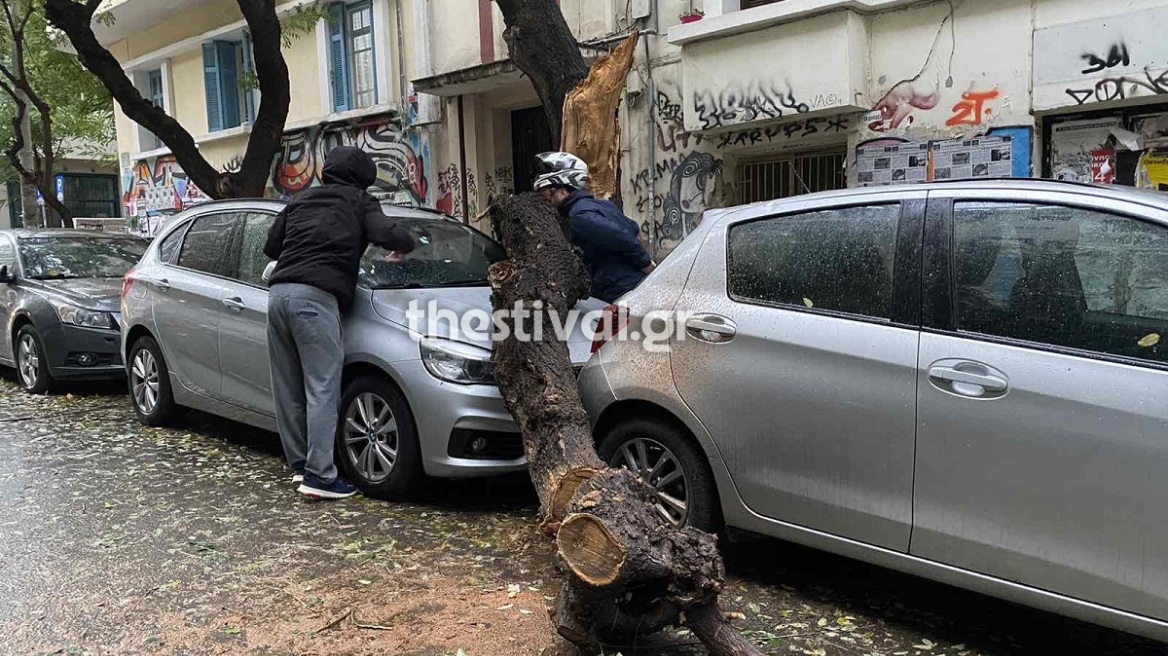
243	327
799	357
187	301
9	296
1043	394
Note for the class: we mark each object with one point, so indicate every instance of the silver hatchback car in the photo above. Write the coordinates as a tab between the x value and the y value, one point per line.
965	381
194	334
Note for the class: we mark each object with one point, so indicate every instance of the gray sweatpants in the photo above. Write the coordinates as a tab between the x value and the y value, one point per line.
306	357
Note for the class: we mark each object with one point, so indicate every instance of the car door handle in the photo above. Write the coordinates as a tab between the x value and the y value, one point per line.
235	304
162	285
986	381
711	328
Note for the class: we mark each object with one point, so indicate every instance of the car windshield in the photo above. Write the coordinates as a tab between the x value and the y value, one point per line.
54	258
448	254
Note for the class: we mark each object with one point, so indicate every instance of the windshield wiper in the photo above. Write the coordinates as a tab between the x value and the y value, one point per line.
59	276
477	282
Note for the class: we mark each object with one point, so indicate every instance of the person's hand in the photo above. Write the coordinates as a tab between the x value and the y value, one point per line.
394	257
649	269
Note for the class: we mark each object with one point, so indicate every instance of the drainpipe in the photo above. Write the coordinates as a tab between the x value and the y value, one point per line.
429	109
462	162
401	59
650	132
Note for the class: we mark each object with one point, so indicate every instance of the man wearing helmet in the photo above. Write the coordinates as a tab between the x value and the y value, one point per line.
608	239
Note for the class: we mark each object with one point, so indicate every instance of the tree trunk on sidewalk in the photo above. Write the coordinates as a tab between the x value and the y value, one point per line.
630	573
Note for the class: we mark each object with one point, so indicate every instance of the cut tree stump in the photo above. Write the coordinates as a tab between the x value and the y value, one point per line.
629	572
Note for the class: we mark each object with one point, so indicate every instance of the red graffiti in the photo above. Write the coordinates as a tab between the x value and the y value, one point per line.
972	109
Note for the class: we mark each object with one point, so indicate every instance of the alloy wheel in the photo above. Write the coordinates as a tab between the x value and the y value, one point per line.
371	437
30	360
656	465
144	381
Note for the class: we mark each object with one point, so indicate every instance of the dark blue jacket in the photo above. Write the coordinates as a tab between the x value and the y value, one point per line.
614	256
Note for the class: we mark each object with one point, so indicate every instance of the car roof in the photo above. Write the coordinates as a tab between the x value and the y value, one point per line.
58	233
275	205
1146	197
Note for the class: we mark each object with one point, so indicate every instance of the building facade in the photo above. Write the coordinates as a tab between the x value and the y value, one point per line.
757	99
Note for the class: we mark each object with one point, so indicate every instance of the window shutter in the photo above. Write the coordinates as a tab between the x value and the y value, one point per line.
228	82
156	93
214	90
249	96
338	59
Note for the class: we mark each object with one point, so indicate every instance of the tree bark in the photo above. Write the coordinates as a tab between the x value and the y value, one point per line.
542	45
630	573
76	21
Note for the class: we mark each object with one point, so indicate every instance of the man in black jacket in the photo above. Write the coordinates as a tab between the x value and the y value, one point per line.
318	241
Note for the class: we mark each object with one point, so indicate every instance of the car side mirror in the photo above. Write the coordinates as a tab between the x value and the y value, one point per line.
267	275
6	274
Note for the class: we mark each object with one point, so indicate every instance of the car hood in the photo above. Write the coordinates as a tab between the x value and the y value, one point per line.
395	304
90	293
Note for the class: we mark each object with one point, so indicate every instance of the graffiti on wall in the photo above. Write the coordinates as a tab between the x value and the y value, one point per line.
401	162
449	191
755	102
897	106
792	131
1121	88
500	182
154	187
1116	56
972	108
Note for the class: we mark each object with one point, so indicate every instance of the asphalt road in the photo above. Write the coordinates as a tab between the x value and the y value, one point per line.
119	539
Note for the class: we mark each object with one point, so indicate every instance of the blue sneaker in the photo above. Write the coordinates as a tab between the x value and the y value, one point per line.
314	488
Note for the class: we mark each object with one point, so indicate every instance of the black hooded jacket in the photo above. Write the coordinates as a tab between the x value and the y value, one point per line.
320	236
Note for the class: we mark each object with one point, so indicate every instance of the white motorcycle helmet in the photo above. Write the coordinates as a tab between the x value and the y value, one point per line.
560	170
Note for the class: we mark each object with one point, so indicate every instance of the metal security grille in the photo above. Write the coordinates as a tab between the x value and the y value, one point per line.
791	176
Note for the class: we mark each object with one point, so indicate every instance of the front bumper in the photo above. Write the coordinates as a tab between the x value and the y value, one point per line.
446	413
74	352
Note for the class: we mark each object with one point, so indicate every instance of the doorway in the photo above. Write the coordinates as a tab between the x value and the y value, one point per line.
530	136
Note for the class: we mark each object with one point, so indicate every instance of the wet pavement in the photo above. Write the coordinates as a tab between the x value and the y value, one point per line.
120	539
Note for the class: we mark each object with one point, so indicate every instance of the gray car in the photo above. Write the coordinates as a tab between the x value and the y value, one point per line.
59	304
965	381
416	401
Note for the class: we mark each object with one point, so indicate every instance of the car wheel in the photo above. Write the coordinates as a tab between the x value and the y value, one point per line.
32	367
149	381
377	442
665	458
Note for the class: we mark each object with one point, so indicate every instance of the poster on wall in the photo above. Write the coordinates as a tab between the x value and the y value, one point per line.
885	165
1152	170
1073	143
1103	166
928	161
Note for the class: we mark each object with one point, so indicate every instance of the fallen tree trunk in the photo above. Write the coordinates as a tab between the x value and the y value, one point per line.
629	572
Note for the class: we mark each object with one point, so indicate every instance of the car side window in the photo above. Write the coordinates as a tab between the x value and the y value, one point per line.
207	245
252	260
1062	276
838	259
168	249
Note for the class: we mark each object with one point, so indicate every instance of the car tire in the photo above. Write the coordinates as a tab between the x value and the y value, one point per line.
149	384
366	440
32	366
648	442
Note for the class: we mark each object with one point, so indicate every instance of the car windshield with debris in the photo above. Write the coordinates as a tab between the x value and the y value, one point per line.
55	258
448	254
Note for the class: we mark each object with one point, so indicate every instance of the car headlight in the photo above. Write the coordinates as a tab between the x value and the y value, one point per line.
457	362
76	316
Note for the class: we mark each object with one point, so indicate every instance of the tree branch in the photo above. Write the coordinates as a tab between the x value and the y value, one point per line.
275	96
75	20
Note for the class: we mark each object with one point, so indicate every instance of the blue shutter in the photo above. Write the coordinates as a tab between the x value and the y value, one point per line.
338	59
229	82
214	89
156	93
249	95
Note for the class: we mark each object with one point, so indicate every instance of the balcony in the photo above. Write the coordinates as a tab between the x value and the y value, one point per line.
729	17
809	69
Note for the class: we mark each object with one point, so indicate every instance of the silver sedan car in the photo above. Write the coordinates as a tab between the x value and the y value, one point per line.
965	381
419	395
